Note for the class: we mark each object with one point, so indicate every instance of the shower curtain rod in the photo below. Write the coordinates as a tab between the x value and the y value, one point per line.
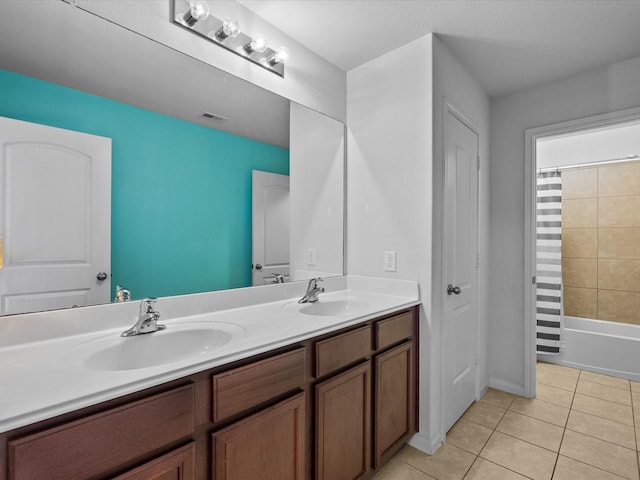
590	164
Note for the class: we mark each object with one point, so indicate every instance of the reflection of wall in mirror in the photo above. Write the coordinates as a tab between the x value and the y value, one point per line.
181	200
317	194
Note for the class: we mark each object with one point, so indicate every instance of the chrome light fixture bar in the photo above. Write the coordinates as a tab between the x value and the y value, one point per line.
194	15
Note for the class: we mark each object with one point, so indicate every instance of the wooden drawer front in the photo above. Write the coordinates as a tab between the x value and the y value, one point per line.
394	330
99	443
178	464
248	386
342	350
267	445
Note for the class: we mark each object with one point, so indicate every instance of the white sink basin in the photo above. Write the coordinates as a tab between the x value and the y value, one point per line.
330	307
176	343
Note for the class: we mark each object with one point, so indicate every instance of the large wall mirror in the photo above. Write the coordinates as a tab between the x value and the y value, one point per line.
186	139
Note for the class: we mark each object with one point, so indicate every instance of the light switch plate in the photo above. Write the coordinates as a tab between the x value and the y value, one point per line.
311	257
390	261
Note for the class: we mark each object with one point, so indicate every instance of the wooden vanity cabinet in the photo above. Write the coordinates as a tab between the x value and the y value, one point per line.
334	407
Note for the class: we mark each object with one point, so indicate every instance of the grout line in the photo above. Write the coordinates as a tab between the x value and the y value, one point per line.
564	430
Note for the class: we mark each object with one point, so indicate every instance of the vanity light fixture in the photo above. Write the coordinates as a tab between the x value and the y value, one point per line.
229	29
258	44
198	10
195	16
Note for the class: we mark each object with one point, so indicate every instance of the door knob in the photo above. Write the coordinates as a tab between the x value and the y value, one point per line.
451	289
258	266
101	276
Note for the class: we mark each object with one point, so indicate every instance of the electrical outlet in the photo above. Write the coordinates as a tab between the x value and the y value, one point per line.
311	257
390	261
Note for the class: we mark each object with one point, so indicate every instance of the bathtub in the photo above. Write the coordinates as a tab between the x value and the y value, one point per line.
599	346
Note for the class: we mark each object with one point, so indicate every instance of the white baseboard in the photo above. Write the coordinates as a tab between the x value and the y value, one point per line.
425	444
499	384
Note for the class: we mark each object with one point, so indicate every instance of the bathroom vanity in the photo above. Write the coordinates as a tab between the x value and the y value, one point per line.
334	399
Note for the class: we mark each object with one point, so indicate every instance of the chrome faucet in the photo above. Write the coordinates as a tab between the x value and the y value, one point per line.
312	291
147	319
278	278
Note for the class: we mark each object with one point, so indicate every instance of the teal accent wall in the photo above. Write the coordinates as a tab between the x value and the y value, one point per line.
181	193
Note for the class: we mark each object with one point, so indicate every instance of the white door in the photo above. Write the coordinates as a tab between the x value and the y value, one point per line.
55	217
460	266
270	207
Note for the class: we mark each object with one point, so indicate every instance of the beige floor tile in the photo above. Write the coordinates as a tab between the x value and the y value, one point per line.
570	469
448	463
554	395
600	454
635	387
520	456
398	470
637	438
498	398
469	436
602	428
603	408
484	470
555	380
531	430
484	414
605	380
547	412
604	392
557	369
636	416
635	398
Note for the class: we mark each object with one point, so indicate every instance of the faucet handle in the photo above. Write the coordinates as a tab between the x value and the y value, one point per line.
147	305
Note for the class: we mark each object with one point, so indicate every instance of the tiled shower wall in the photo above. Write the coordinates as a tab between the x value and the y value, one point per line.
601	242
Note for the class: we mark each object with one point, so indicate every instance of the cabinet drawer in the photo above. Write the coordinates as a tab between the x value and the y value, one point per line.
253	384
99	443
394	330
342	350
179	464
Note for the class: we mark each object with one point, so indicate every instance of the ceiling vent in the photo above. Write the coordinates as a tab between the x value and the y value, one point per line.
214	118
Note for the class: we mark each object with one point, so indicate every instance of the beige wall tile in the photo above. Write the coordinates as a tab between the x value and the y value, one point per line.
619	274
580	183
580	213
621	179
580	272
619	211
619	243
580	242
619	306
580	302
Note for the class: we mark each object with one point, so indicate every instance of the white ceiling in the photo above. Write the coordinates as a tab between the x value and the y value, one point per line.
507	45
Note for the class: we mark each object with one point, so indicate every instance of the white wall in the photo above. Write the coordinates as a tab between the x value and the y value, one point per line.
596	92
451	81
316	165
389	148
309	79
395	171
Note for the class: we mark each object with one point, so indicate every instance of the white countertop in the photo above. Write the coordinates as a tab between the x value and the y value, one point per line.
43	357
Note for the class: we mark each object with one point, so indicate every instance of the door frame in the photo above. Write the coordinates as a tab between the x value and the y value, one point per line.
450	108
531	136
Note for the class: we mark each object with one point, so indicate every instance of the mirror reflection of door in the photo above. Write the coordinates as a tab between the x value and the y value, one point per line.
270	227
55	220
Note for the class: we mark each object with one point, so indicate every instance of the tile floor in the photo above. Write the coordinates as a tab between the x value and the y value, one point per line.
581	426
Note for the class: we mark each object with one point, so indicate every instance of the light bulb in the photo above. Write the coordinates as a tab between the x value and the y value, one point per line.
257	44
198	10
229	29
281	55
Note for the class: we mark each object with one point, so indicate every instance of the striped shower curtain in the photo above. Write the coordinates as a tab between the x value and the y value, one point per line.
549	263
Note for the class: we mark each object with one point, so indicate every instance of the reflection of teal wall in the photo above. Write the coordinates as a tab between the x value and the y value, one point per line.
181	193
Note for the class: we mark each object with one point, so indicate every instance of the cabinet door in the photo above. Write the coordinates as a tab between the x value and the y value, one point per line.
176	465
343	412
268	445
394	401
